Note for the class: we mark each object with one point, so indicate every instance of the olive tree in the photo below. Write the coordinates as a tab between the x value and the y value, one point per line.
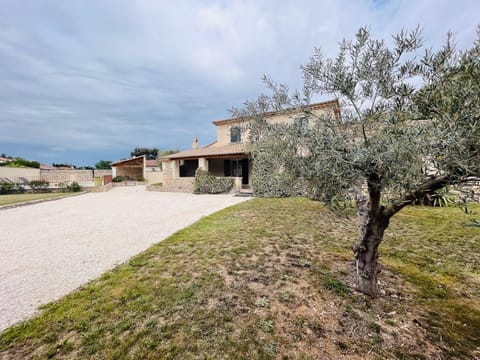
409	126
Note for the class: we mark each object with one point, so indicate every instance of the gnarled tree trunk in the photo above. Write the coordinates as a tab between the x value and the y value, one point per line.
372	222
374	218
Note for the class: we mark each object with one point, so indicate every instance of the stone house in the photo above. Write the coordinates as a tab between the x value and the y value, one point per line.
228	156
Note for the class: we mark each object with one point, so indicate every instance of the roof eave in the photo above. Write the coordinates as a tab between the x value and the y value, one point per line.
126	160
333	102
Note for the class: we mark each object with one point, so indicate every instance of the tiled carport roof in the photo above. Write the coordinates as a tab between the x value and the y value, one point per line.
138	160
210	151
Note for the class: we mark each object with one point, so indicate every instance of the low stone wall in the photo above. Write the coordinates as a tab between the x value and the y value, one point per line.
128	183
154	188
182	184
98	188
186	184
469	190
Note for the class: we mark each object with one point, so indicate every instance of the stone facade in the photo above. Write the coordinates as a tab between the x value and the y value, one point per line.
181	184
154	177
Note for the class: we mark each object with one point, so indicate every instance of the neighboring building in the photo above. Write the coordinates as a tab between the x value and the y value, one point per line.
47	167
152	165
153	171
228	155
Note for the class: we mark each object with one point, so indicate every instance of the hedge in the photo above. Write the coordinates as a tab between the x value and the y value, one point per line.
205	183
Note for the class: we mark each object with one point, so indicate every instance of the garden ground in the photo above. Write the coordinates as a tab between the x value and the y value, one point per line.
272	278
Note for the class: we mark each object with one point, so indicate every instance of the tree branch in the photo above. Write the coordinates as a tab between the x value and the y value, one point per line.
428	187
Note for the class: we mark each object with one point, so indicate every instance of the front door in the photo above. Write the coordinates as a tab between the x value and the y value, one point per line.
244	171
237	168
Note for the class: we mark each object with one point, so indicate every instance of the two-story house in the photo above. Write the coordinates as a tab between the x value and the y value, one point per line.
228	155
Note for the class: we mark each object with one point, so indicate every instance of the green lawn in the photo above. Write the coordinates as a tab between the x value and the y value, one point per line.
17	198
272	278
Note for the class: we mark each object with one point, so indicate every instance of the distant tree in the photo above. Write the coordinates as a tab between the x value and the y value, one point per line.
19	162
151	154
409	127
65	165
103	165
162	153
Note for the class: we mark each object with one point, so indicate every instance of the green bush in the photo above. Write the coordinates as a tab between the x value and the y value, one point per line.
74	187
140	178
11	188
39	185
270	175
118	178
205	183
7	187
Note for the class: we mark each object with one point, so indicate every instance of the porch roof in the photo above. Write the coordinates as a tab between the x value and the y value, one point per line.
210	151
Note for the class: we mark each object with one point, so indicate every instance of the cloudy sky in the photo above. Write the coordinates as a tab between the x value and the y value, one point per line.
87	80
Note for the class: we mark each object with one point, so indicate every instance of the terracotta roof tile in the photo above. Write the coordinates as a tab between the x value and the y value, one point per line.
233	149
127	160
151	163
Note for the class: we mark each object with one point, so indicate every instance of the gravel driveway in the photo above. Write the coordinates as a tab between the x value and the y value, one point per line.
51	248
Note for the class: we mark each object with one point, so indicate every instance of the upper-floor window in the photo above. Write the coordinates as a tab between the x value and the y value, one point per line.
301	121
235	134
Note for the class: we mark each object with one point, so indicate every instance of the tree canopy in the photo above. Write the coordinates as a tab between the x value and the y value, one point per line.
20	162
103	165
167	152
151	154
409	126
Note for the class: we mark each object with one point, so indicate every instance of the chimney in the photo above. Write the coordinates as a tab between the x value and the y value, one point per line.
195	143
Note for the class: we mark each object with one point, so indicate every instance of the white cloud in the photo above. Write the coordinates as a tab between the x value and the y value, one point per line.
114	74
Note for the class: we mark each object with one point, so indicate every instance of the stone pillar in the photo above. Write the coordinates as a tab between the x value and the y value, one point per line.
203	164
176	168
237	183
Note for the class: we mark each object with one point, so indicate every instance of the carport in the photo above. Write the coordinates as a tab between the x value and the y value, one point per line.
131	169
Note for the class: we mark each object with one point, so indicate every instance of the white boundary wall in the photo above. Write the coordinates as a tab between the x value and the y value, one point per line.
19	175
